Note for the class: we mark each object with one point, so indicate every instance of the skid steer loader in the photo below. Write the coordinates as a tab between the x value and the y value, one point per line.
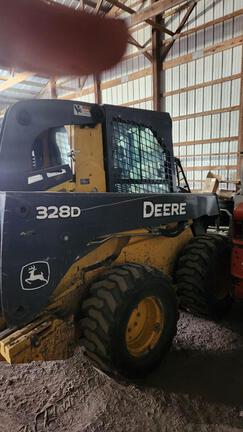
99	236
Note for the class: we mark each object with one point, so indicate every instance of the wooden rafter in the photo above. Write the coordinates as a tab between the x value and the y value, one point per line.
93	5
154	9
175	10
204	26
12	92
141	48
168	47
131	11
115	9
147	49
76	93
18	78
155	24
98	6
133	41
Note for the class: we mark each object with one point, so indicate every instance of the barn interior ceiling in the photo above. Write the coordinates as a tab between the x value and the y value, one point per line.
17	85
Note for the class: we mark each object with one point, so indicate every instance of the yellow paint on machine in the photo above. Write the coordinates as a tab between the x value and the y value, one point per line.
88	163
46	338
158	252
49	336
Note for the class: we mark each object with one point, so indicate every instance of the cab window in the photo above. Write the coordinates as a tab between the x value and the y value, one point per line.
51	148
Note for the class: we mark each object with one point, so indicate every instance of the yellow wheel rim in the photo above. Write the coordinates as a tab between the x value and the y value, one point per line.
145	326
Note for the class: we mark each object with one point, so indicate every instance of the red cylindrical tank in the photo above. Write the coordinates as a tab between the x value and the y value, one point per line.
237	252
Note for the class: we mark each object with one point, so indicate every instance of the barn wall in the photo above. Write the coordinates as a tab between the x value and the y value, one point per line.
130	82
200	86
202	91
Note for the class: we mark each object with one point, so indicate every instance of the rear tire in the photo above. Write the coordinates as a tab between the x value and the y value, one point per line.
129	320
203	276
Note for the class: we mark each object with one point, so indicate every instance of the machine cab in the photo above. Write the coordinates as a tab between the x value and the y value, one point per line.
72	146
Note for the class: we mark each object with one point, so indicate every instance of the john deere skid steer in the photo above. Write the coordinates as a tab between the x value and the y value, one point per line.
99	236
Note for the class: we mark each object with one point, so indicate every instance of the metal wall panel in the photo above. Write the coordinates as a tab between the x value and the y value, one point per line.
221	94
200	91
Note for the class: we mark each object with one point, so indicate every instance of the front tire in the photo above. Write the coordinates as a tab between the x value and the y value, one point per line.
129	320
203	276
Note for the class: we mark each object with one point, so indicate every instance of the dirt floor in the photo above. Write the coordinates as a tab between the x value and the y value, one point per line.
199	387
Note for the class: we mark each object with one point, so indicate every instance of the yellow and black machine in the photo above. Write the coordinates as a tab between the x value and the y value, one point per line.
101	238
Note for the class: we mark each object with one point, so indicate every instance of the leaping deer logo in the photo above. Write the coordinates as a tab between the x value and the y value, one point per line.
33	277
77	109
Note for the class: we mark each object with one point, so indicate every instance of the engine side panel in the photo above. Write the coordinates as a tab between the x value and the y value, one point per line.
43	234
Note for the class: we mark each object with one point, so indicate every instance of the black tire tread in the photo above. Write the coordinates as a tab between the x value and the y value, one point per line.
99	310
191	272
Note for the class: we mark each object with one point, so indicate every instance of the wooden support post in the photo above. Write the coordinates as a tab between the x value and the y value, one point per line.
97	90
53	88
156	65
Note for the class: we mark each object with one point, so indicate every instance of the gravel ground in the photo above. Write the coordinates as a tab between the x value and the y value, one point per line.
199	387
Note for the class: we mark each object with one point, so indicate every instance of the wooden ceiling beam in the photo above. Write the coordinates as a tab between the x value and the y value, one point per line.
168	47
29	83
18	78
98	6
162	29
12	91
131	11
93	5
141	48
175	10
204	26
115	10
154	9
77	93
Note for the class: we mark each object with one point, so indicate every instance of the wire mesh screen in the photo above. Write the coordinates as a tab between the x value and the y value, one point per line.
142	163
